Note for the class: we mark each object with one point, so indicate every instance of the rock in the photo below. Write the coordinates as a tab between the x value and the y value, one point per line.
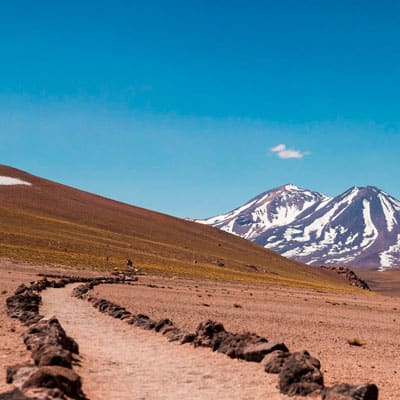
300	375
245	346
45	394
18	374
21	289
80	291
234	345
256	352
163	324
52	355
112	309
349	275
41	285
187	338
274	361
121	313
15	395
351	392
173	334
209	334
55	377
24	305
49	332
15	372
142	321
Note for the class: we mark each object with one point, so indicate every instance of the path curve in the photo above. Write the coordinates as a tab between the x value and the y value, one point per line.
125	362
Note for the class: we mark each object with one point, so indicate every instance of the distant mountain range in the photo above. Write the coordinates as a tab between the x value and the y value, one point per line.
360	227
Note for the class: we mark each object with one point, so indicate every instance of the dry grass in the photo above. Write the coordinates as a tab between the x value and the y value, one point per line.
356	342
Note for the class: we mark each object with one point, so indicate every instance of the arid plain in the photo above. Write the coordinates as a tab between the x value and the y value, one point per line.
322	322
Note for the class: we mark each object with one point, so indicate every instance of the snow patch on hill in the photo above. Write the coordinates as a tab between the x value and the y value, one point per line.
8	181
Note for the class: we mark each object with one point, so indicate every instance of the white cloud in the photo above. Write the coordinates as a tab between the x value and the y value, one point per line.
283	152
278	148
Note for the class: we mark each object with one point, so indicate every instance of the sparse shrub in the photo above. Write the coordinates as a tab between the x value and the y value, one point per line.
334	303
356	342
152	285
237	305
205	304
4	292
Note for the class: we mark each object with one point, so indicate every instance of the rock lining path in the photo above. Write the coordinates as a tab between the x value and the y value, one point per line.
120	361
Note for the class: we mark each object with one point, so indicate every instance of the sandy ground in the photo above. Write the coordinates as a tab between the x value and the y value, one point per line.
319	322
125	362
12	348
304	319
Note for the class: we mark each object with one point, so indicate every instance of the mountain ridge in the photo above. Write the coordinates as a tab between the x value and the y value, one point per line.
358	228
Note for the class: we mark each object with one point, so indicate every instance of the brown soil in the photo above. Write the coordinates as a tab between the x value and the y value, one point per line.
317	321
124	362
12	348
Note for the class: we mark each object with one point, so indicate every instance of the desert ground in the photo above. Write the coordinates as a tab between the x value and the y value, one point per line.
319	321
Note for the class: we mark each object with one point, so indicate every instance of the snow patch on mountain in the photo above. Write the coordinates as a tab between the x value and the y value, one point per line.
389	212
391	257
370	231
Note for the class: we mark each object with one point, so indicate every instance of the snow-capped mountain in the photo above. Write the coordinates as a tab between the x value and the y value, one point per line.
276	207
360	227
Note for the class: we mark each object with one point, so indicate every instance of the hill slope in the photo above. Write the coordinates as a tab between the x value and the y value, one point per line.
46	222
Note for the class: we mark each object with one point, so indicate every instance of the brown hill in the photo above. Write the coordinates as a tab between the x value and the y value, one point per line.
47	222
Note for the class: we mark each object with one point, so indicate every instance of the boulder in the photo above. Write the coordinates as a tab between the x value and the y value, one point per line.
52	355
55	377
142	321
246	346
49	332
344	391
163	324
209	334
21	289
17	373
257	351
187	337
300	375
24	305
274	361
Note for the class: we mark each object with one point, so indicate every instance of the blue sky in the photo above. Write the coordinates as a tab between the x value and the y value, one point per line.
175	106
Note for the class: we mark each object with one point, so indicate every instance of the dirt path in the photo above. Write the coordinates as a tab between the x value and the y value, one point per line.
124	362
